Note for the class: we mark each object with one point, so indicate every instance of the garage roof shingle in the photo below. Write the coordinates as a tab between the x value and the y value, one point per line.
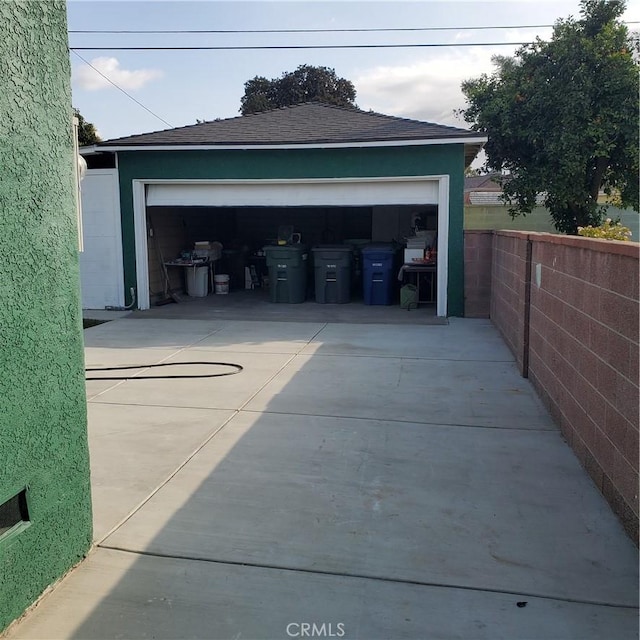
308	123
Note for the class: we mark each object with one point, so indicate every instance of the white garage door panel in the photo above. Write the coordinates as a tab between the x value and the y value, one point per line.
101	270
294	193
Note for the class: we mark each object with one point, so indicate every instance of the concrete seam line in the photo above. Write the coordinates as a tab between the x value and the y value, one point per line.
142	370
111	387
277	373
551	429
404	357
99	542
165	406
266	382
198	449
363	576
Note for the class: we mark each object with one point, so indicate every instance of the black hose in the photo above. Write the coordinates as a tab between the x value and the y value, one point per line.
237	369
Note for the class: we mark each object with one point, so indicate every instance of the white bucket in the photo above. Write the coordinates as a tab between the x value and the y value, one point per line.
221	283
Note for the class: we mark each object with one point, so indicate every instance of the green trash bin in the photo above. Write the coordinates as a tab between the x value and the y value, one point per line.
409	297
287	265
332	266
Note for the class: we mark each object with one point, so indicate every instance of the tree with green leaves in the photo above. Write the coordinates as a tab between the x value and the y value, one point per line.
562	118
307	83
87	133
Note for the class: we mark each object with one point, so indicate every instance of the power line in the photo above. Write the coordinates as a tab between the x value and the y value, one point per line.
254	31
370	30
155	115
304	46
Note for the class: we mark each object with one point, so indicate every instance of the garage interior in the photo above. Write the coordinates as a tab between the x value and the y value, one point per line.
244	231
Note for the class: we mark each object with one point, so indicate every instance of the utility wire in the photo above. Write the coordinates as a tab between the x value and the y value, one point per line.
155	115
253	31
310	46
370	30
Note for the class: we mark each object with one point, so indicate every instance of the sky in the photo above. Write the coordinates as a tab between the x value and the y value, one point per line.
181	87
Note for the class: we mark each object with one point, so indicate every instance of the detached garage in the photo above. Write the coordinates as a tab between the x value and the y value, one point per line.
334	175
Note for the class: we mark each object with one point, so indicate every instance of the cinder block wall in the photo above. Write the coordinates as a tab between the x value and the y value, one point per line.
583	356
477	273
43	429
508	286
581	351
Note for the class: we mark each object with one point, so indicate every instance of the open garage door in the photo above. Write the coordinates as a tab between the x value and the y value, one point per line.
385	199
295	193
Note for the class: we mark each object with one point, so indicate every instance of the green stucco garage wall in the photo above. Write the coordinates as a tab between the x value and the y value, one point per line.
43	434
302	163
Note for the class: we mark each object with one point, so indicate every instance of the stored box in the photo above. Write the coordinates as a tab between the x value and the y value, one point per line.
410	255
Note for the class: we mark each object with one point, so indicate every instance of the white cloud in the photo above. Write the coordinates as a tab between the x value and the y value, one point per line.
428	89
87	78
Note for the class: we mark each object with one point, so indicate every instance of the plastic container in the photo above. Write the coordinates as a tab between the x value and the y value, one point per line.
221	283
332	266
377	273
287	267
409	297
197	281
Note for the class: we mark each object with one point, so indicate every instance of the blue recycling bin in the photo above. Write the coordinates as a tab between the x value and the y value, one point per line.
377	273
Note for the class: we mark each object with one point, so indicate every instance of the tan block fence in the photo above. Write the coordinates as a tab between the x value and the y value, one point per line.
568	309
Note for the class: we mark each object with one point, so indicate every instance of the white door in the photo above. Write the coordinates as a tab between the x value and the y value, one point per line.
101	268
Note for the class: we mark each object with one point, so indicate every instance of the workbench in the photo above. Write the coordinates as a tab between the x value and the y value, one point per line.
194	264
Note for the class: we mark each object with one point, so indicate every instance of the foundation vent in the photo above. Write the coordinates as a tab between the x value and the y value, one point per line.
13	512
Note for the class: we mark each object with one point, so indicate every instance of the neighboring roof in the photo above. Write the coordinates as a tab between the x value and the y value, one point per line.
482	183
311	123
483	190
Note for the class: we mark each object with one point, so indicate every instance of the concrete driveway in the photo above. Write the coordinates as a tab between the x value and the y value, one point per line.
356	481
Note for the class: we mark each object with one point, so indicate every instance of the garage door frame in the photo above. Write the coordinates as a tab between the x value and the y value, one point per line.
393	182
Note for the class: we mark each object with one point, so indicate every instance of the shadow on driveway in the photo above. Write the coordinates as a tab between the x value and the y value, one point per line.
374	481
